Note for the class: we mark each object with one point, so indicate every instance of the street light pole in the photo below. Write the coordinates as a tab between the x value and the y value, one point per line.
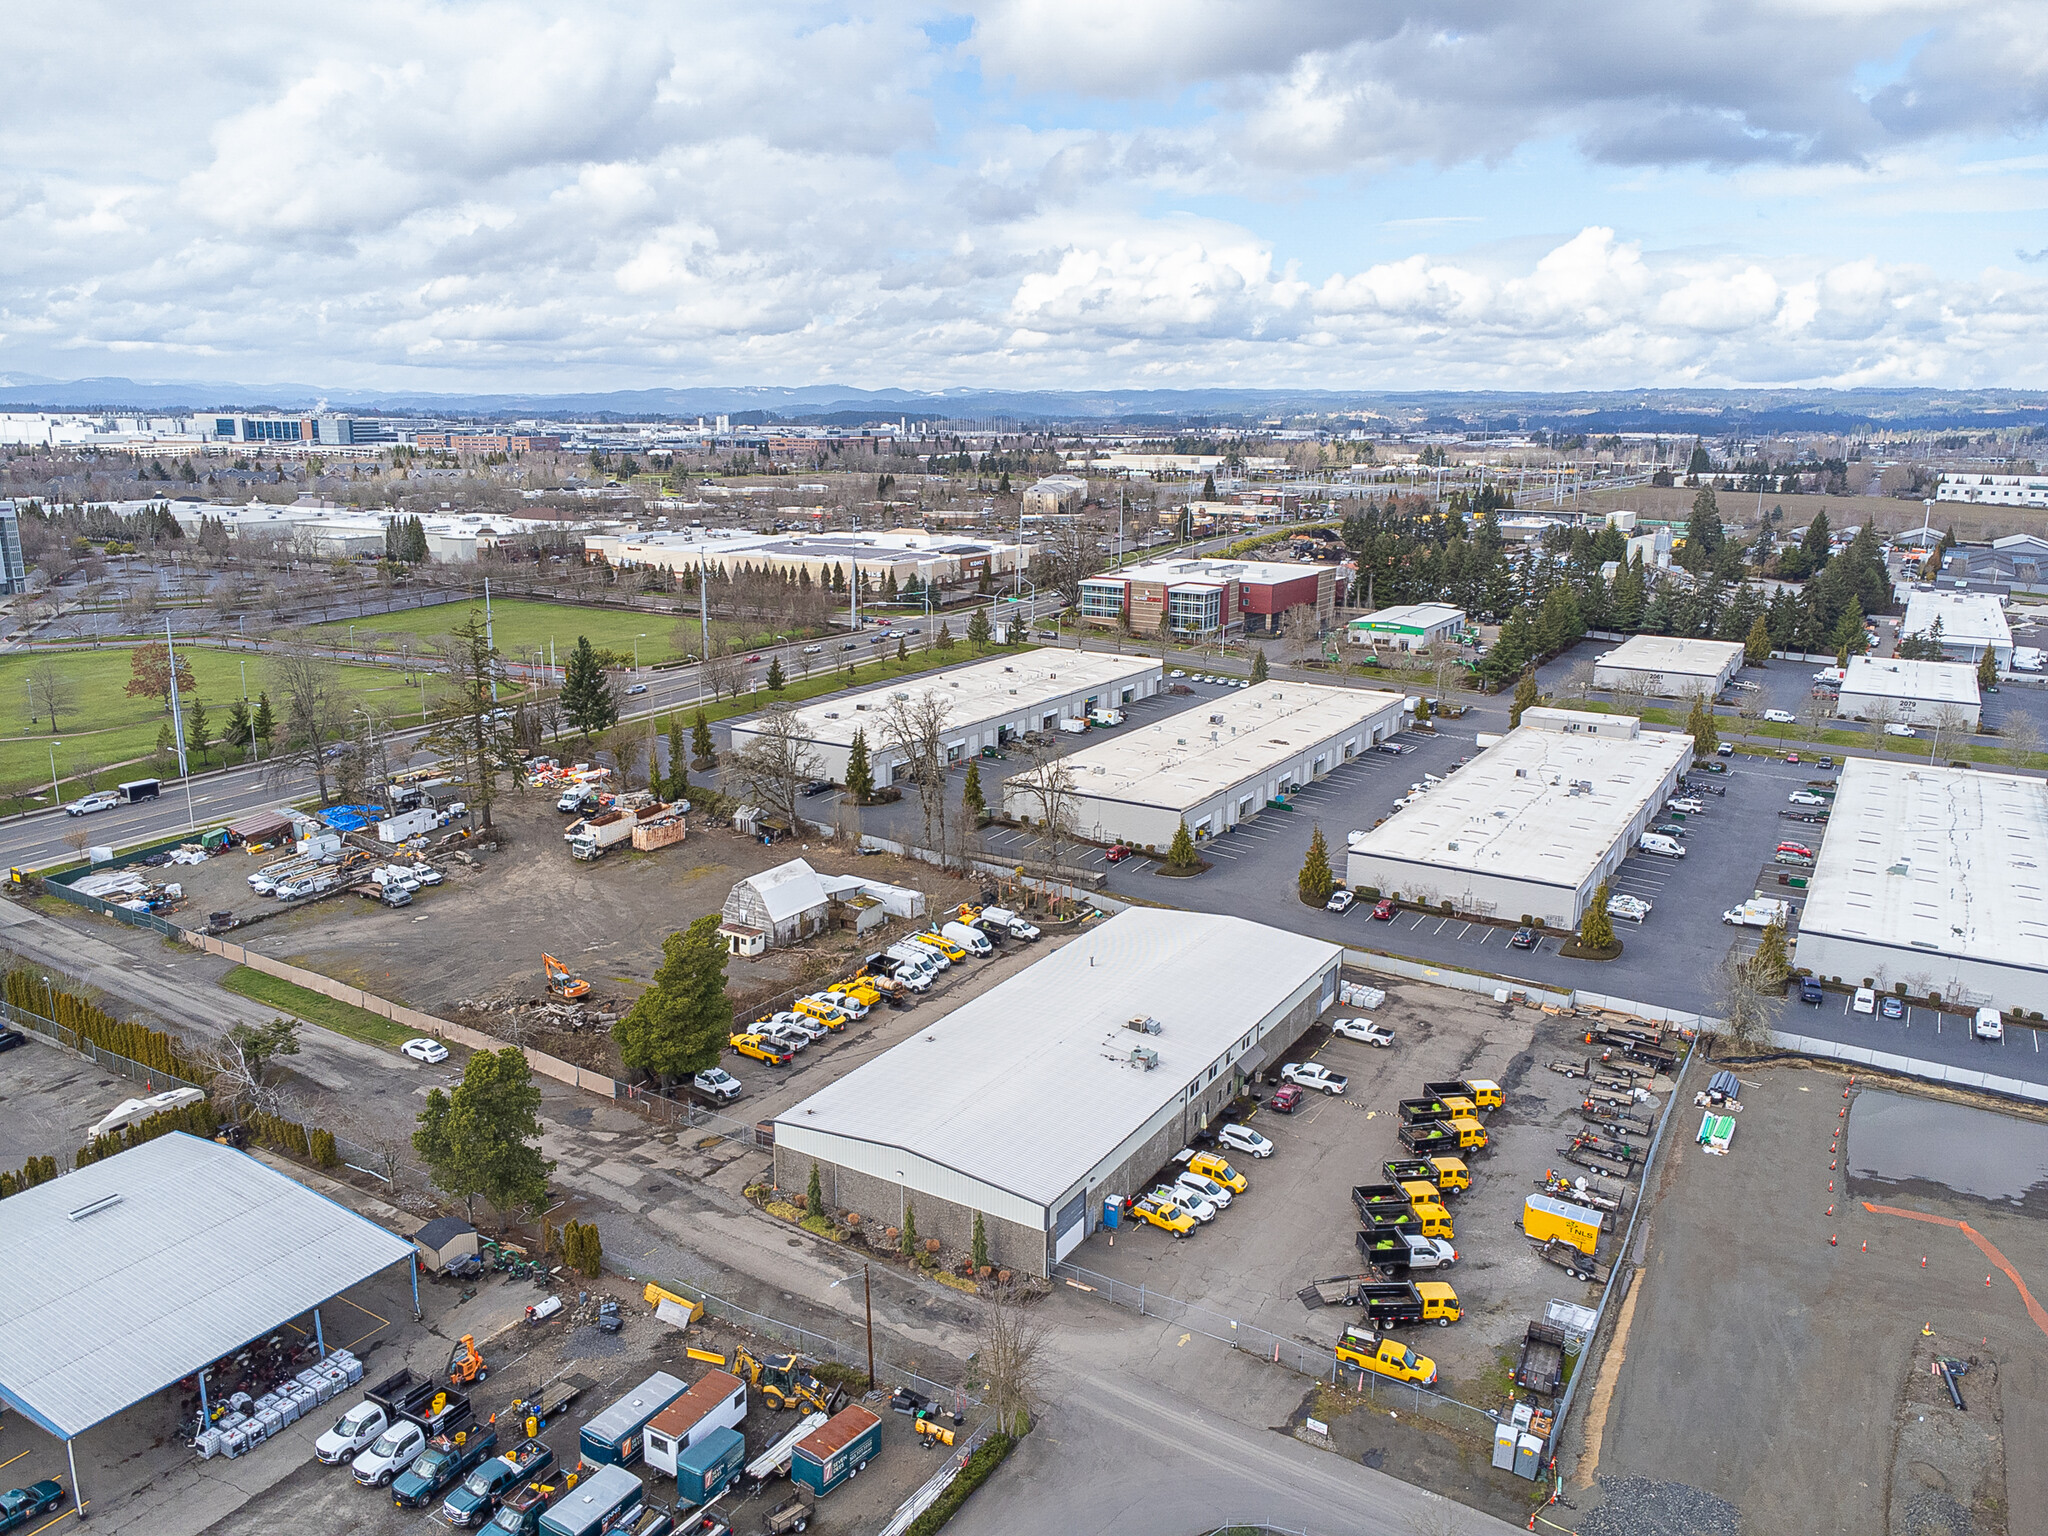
868	1297
54	797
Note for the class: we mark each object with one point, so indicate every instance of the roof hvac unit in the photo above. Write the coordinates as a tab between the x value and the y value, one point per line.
1146	1025
831	714
1144	1056
863	707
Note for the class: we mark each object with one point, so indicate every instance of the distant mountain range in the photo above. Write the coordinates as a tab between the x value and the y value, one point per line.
1709	412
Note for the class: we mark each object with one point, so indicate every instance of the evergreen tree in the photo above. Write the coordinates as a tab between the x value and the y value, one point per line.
945	637
1316	880
1756	649
1527	697
678	786
1182	854
263	725
902	649
701	747
484	1138
1816	542
679	1024
970	794
198	730
1771	963
1850	635
166	745
587	701
776	681
1596	928
1699	725
1260	671
906	1240
814	1193
1703	532
1209	486
978	630
1987	669
978	1248
860	778
238	732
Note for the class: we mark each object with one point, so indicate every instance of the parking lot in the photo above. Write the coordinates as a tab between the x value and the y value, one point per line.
1296	1222
1761	1374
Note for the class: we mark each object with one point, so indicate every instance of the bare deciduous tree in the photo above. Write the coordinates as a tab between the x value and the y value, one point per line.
915	730
52	691
315	717
1046	786
723	669
1011	1360
1749	1011
2022	740
775	764
1301	631
1067	556
1578	680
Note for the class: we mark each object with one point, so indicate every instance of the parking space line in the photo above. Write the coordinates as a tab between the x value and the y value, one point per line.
1418	922
10	1461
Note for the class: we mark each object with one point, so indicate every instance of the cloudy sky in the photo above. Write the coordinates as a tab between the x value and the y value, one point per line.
1051	193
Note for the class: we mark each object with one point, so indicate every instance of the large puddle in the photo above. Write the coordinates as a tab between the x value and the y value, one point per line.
1900	1144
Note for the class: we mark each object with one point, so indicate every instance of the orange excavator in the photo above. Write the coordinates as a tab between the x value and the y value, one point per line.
562	982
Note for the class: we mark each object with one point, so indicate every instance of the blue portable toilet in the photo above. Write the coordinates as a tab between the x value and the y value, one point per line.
1112	1211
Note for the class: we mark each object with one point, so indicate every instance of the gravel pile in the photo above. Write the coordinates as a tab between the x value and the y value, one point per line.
1933	1513
593	1344
1636	1506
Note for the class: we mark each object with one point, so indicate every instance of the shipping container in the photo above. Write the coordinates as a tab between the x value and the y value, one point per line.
614	1436
838	1451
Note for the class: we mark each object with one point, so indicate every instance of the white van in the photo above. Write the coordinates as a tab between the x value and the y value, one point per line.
973	940
928	959
1990	1024
1656	842
1898	730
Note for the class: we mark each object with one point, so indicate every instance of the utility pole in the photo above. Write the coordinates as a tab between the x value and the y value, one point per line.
488	641
178	726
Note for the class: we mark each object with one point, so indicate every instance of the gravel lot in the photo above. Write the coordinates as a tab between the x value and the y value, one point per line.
1756	1366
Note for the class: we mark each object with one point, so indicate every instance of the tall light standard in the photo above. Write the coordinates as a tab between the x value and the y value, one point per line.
54	798
636	649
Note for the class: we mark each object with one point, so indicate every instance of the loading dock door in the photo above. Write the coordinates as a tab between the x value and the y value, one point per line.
1129	694
1070	1227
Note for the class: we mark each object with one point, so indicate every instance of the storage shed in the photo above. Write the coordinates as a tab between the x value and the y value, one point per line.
260	827
444	1240
786	904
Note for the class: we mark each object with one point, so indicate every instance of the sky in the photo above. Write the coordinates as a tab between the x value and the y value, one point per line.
1068	194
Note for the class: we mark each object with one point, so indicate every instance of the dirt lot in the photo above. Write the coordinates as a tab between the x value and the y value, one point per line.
1296	1223
1759	1374
479	937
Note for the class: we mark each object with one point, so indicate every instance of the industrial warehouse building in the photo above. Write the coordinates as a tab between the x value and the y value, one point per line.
1531	826
1189	596
908	556
1667	667
1971	623
1936	693
1932	877
1213	766
1036	1101
1409	627
990	701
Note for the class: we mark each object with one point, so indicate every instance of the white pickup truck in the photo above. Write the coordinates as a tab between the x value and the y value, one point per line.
1313	1074
392	1452
1364	1030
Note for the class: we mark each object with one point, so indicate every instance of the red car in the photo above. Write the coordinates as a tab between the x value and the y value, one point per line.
1286	1101
1117	854
755	657
1791	757
1383	911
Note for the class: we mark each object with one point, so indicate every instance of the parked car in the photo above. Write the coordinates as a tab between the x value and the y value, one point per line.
1286	1100
1806	797
1629	908
817	787
1167	1215
1810	991
1201	1184
761	1048
1726	749
1202	1210
1798	848
1990	1024
1313	1074
1892	1007
1525	938
1383	910
717	1083
1363	1030
1242	1138
1671	829
1865	1001
10	1038
1686	805
429	1051
18	1506
1116	853
1340	901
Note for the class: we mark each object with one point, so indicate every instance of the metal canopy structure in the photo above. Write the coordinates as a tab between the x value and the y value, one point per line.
136	1272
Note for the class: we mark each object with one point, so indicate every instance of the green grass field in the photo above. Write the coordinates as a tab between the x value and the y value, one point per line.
105	725
315	1008
521	628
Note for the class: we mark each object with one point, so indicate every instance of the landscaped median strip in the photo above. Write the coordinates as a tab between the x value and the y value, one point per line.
303	1003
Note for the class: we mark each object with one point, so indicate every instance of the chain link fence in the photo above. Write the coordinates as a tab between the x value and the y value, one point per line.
50	1029
1311	1360
148	921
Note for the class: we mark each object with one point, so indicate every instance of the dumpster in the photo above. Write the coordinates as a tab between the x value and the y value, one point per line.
829	1456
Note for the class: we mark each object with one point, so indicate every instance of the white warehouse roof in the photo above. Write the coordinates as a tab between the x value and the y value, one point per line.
1967	618
1948	860
1188	757
1936	682
132	1273
1672	655
1029	1086
1547	802
983	691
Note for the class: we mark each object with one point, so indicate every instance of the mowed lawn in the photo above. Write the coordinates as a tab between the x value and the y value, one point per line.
106	725
521	628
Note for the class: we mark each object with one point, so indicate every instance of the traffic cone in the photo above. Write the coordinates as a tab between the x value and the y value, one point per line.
1831	1164
1866	1247
1831	1186
1927	1332
1987	1280
1831	1210
1831	1239
1923	1261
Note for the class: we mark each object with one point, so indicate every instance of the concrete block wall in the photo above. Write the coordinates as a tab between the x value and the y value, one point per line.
1011	1245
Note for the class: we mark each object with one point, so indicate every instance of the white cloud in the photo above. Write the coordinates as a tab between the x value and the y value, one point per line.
510	196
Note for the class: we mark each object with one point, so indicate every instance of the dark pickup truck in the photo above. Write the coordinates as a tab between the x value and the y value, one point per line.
445	1461
1449	1174
1402	1303
1378	1197
483	1489
1430	1107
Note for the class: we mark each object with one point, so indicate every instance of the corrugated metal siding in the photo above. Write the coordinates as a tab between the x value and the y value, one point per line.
206	1249
919	1174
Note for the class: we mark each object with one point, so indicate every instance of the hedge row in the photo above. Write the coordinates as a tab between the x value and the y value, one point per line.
199	1119
984	1459
151	1047
37	1170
